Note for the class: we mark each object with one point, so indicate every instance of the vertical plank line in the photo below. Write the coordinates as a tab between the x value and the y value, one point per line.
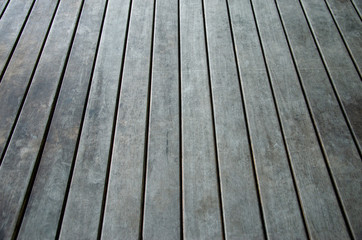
106	181
354	137
60	221
180	121
17	38
323	150
343	39
28	86
3	11
213	125
356	9
145	156
280	125
261	212
41	149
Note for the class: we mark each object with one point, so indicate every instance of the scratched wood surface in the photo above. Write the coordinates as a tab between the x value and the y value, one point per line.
182	119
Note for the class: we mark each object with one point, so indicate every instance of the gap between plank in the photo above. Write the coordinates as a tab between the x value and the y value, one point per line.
281	126
3	11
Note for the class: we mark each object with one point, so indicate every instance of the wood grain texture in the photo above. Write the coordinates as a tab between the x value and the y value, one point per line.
342	153
162	213
283	218
123	210
45	202
20	69
344	75
350	25
84	205
201	208
22	154
10	25
323	216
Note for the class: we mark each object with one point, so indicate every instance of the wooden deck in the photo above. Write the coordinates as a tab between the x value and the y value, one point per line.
180	119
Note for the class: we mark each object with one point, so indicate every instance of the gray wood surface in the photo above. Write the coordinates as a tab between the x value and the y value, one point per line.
344	75
239	192
10	25
22	154
45	202
162	213
358	6
3	6
315	189
350	25
342	153
20	69
84	204
201	209
123	210
282	221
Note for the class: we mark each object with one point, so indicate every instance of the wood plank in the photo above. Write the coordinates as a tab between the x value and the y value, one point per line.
323	216
21	157
282	221
162	213
3	6
201	209
239	192
21	68
344	75
124	202
84	204
342	153
350	26
11	25
45	202
358	6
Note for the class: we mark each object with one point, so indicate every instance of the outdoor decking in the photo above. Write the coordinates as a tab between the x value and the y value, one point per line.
180	119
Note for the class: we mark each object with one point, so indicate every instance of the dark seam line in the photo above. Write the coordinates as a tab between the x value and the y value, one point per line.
252	157
214	126
106	181
356	9
281	129
3	11
41	149
17	39
331	82
147	129
343	39
28	86
61	217
180	120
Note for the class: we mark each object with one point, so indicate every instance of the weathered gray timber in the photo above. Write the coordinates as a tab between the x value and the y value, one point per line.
350	25
239	193
342	154
283	218
162	213
22	156
46	200
84	204
345	77
315	188
123	210
21	67
10	27
201	209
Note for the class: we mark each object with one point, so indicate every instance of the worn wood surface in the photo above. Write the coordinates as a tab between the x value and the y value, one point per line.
180	119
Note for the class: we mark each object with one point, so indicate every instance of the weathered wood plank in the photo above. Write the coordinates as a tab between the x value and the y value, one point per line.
282	221
343	157
201	208
45	202
239	192
21	156
323	216
84	205
19	71
123	210
344	75
350	26
162	213
10	27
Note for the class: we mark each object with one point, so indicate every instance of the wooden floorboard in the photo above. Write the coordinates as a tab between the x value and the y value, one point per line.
182	119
